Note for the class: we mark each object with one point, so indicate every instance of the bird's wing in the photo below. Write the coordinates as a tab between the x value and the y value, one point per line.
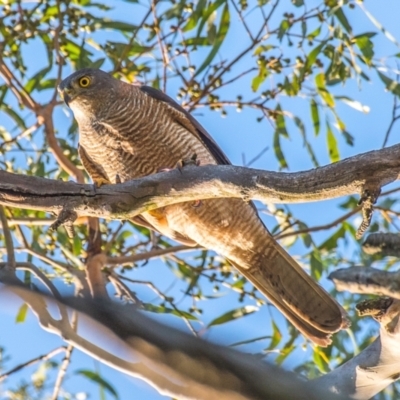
190	123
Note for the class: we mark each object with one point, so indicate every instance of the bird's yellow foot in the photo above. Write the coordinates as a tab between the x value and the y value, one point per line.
100	182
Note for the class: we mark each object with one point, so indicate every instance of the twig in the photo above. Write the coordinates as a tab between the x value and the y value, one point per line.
394	118
21	135
62	371
128	260
8	240
43	357
164	297
56	43
164	53
16	87
320	227
45	116
118	284
31	221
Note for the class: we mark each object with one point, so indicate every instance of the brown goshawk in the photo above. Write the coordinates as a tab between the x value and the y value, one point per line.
129	131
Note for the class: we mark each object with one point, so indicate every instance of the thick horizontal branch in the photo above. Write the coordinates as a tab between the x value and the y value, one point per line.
365	172
177	364
367	280
388	244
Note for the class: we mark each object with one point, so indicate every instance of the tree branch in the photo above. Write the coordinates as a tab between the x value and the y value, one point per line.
388	244
375	367
367	280
43	357
177	364
349	176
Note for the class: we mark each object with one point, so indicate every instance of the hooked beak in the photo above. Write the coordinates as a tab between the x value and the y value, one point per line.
65	94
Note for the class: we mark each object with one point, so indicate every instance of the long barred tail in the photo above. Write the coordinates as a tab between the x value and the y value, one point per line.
303	301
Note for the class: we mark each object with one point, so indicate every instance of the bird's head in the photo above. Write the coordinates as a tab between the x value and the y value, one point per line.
86	88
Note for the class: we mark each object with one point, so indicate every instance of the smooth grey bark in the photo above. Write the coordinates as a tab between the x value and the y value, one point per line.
375	367
361	174
367	280
175	363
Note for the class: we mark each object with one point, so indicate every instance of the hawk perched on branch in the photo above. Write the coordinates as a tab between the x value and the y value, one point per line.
128	132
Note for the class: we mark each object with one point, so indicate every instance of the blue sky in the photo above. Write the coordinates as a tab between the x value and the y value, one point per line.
237	134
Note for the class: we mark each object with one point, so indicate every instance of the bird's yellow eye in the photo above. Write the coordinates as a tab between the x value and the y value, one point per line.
84	81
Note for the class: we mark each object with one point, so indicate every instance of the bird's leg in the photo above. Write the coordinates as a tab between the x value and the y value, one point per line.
100	182
184	162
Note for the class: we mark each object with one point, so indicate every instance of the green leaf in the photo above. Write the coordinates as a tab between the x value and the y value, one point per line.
302	129
322	91
315	116
331	242
221	34
391	85
321	360
232	315
276	336
209	14
316	265
284	353
331	142
77	245
195	16
22	313
13	115
298	3
312	56
98	63
35	80
263	49
280	130
280	122
350	203
314	33
284	26
260	78
340	15
166	310
197	41
117	25
366	46
96	378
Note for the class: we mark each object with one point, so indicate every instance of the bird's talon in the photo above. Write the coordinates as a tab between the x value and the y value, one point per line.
196	203
100	182
164	169
184	162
